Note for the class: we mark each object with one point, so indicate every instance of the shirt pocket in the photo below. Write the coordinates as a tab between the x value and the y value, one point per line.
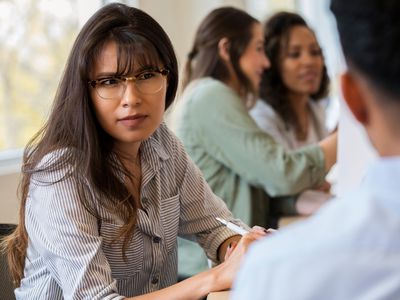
112	248
170	212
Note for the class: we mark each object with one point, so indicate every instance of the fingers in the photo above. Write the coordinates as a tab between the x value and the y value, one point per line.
230	249
258	228
262	230
256	233
324	187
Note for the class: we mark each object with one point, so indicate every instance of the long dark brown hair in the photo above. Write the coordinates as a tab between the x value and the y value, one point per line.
203	59
272	89
72	124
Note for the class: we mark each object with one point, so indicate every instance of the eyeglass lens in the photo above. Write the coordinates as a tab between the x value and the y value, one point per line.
149	82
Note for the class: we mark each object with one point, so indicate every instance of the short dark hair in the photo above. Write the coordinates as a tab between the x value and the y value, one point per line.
272	88
203	59
369	32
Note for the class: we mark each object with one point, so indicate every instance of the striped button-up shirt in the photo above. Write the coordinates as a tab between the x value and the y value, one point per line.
73	255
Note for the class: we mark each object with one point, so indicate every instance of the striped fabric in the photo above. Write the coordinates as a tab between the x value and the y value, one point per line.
73	255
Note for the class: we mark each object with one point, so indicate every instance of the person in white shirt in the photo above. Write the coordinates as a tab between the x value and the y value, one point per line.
291	107
292	89
350	249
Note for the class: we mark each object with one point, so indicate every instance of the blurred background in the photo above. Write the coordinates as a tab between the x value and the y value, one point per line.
36	37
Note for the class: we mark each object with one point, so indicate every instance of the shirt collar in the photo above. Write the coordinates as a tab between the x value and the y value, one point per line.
153	153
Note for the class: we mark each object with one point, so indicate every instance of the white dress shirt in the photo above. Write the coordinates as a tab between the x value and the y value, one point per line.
349	250
272	123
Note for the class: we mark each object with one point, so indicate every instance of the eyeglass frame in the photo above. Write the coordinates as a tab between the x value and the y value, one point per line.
164	72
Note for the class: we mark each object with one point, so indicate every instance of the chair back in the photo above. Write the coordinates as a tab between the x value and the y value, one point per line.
6	285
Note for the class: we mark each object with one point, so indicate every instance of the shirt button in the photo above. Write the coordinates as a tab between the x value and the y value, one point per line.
156	239
154	280
145	201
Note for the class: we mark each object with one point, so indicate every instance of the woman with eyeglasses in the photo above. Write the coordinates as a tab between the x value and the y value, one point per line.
242	164
107	188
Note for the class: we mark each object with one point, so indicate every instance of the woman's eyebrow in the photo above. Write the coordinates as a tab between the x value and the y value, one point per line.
137	71
294	46
145	68
105	74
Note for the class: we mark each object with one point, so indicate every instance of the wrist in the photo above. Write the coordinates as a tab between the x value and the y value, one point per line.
216	279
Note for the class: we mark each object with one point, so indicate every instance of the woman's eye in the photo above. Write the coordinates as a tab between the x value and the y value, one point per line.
146	75
316	52
109	81
293	54
260	49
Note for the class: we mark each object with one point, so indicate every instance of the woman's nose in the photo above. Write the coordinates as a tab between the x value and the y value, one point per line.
308	59
131	96
266	63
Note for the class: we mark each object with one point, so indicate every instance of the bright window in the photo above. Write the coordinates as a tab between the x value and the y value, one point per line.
36	36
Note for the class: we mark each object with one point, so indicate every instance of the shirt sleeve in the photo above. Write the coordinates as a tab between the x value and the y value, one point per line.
200	207
232	137
65	235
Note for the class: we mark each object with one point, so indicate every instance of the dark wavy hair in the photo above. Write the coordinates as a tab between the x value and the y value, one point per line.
203	59
72	124
272	89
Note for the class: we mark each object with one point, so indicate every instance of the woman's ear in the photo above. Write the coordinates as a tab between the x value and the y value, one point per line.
223	49
354	97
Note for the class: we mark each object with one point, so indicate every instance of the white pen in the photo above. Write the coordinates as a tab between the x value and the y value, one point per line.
233	227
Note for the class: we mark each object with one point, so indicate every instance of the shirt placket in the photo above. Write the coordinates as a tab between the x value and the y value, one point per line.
150	191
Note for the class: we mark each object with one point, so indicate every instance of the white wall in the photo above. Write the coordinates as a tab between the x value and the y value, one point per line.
180	19
354	152
10	164
8	198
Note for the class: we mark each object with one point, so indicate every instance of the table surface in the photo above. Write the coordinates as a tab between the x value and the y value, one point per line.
218	296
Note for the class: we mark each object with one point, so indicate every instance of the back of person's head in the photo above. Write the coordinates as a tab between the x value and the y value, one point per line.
73	125
369	32
204	59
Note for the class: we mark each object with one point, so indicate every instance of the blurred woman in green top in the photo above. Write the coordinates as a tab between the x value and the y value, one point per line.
256	177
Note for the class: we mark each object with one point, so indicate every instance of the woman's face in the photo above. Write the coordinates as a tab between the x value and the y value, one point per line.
133	116
253	61
301	62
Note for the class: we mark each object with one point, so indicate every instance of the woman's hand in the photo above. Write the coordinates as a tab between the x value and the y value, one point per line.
324	187
225	272
215	279
231	247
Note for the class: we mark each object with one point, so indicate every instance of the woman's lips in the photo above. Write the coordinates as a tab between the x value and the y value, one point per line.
309	76
133	121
